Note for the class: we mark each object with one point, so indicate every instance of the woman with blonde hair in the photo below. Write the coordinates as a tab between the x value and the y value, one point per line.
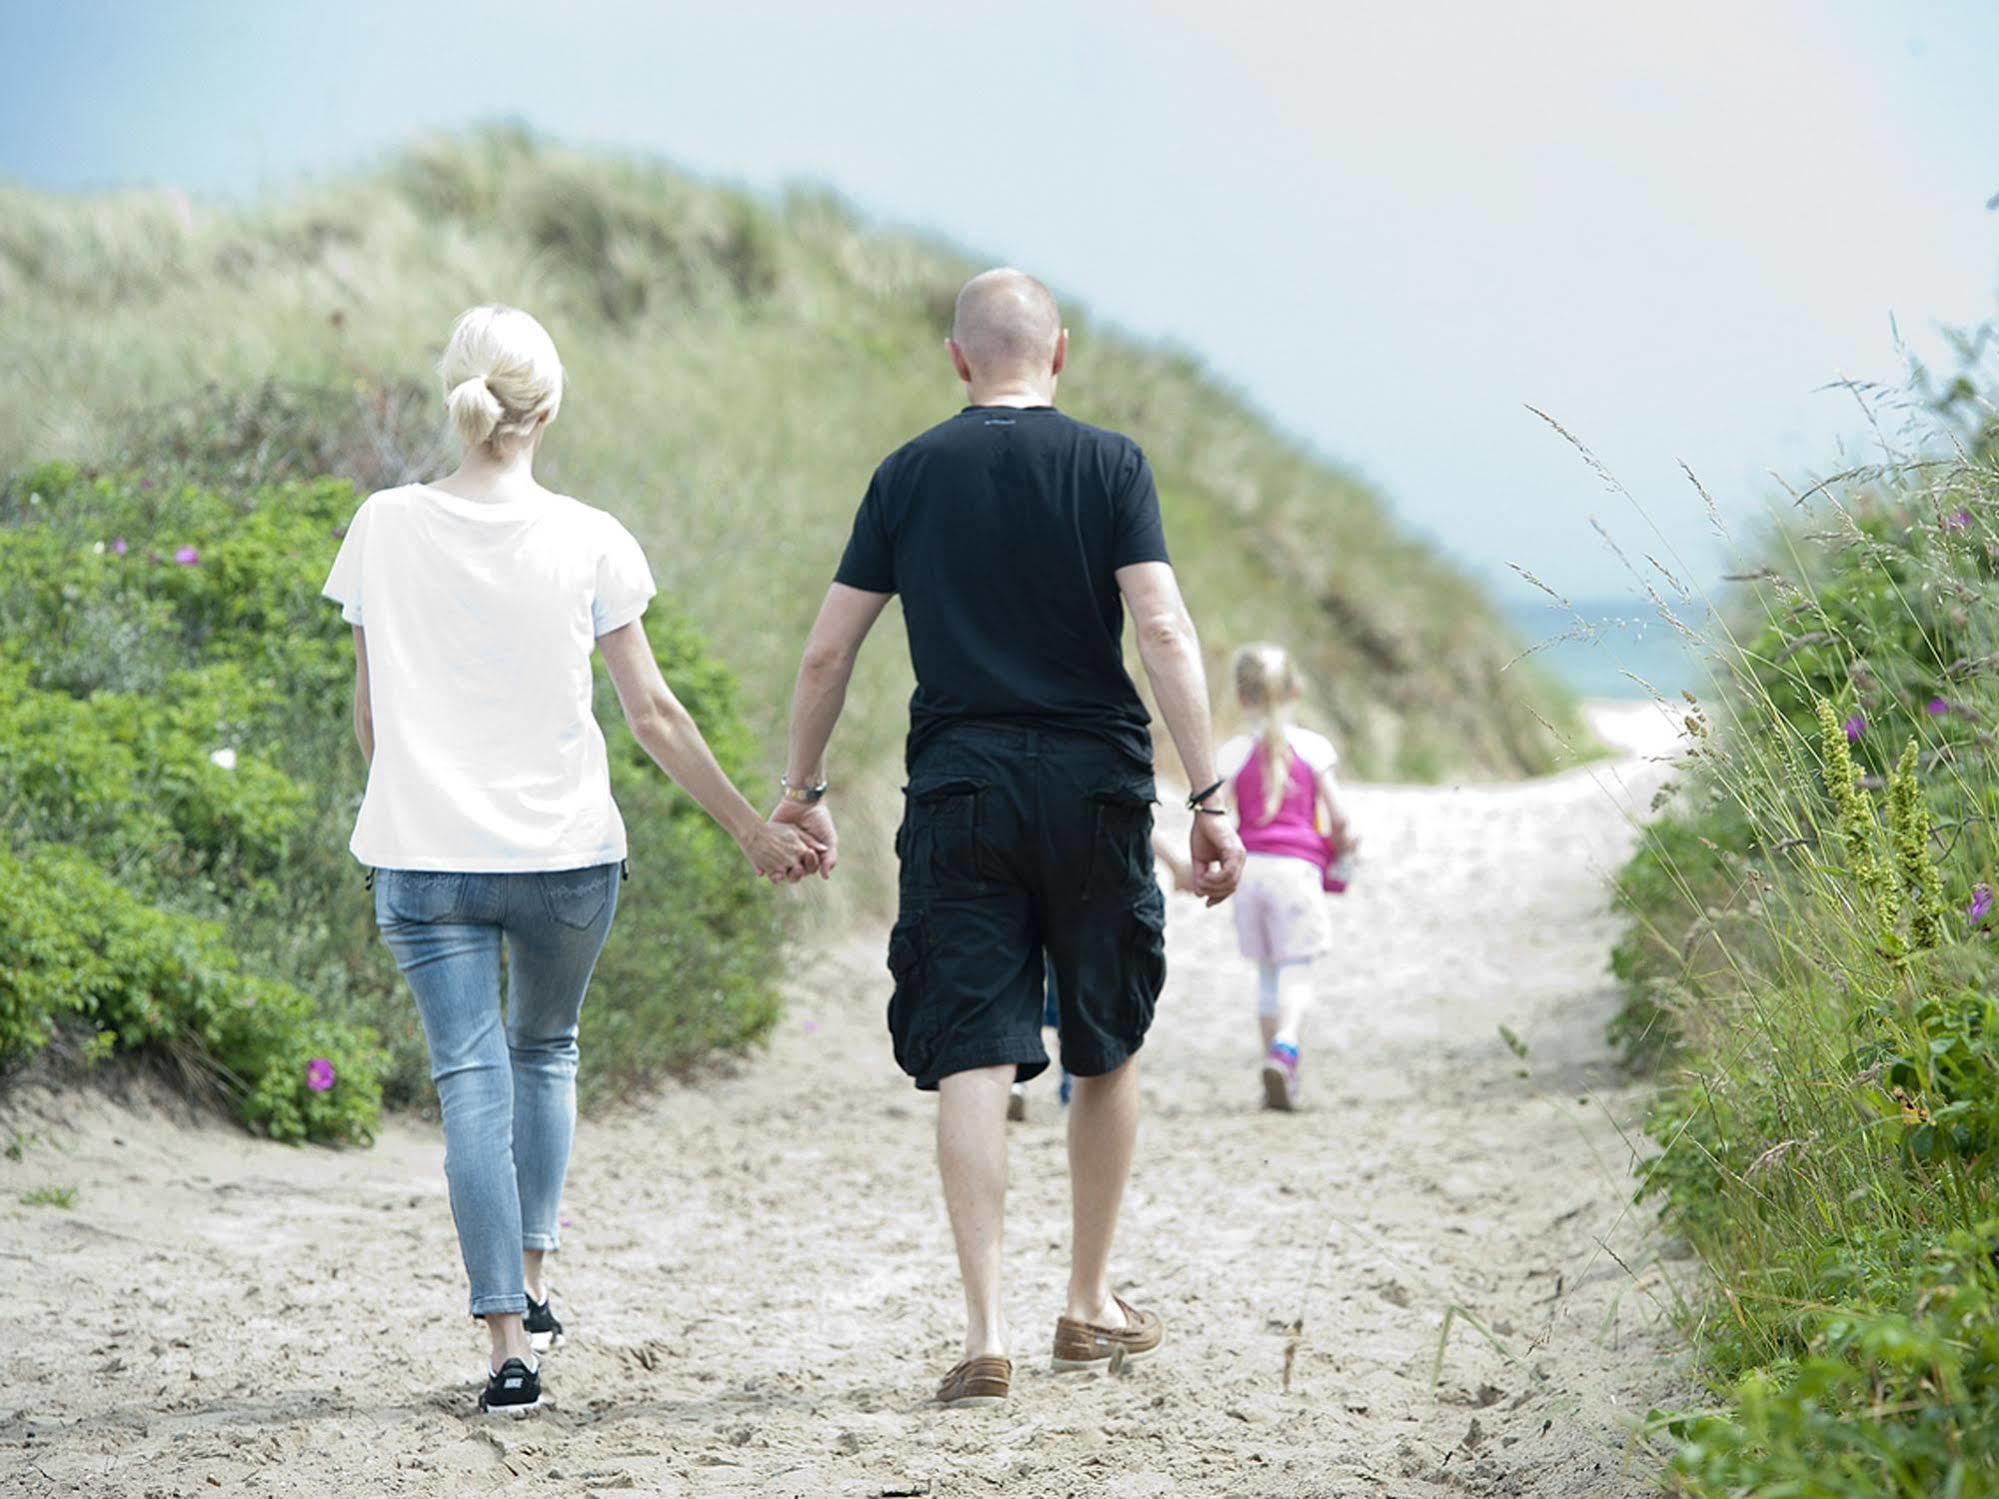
488	823
1279	779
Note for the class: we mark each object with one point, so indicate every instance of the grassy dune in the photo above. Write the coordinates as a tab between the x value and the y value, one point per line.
738	365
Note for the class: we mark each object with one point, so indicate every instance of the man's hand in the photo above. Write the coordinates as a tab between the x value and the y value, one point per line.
782	855
1217	855
815	820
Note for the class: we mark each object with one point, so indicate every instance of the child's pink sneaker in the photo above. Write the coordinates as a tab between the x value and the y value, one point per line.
1280	1077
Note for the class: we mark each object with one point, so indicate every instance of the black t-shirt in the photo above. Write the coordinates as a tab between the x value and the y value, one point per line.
1003	529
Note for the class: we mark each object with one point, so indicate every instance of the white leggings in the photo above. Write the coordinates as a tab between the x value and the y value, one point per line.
1284	992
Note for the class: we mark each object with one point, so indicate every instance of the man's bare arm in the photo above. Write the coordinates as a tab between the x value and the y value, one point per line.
823	673
1171	652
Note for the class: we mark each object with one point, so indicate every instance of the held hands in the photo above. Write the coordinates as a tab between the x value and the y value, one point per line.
1216	854
813	821
787	854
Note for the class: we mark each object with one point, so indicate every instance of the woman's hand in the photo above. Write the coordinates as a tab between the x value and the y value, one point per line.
782	853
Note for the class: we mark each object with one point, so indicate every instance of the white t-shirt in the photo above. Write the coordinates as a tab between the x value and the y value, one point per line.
480	622
1314	749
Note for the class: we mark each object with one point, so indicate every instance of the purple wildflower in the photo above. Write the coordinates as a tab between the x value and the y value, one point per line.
1981	903
145	484
187	556
1855	726
118	547
1957	520
319	1074
1937	707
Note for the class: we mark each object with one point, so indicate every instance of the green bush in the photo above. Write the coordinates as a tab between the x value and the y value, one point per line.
176	708
1807	938
82	949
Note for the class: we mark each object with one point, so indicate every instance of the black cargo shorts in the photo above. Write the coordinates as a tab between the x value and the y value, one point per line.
1024	852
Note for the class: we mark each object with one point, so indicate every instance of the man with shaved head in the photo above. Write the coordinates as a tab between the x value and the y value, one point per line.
1017	538
1005	319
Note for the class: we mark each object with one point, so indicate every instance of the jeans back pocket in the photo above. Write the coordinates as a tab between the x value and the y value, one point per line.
419	895
575	898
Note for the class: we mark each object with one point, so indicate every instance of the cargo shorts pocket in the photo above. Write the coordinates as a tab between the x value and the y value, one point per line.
1144	966
911	1025
1145	958
942	842
417	895
1121	841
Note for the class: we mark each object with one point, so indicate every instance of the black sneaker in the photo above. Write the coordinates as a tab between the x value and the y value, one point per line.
514	1391
544	1332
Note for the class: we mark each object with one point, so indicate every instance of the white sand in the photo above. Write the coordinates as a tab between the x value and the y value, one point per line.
758	1277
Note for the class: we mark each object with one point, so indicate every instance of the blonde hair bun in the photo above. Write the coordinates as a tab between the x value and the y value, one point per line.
501	376
475	411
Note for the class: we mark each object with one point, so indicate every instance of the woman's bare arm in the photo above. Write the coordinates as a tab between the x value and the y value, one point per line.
669	734
364	706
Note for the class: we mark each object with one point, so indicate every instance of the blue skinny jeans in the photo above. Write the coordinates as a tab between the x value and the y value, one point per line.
506	1088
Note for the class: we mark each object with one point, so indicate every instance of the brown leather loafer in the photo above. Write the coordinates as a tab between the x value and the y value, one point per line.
1084	1345
977	1381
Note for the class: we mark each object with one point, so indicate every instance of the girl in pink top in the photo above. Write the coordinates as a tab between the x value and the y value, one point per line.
1280	782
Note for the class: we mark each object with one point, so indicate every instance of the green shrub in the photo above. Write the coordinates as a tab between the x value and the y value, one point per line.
82	949
1901	1402
131	670
135	777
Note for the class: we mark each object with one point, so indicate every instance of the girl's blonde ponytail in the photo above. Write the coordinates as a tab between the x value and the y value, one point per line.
1266	682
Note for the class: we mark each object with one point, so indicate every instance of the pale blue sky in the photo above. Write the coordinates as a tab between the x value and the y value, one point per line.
1390	226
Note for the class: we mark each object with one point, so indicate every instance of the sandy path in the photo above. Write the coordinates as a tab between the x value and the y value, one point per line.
757	1273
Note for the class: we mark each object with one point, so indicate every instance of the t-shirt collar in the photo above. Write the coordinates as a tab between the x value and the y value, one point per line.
482	509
